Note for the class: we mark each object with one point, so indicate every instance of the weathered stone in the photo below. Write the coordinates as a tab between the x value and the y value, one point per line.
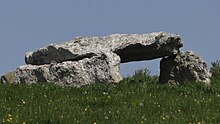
103	67
87	60
184	67
130	47
8	78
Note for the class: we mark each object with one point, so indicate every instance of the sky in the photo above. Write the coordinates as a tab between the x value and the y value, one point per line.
26	25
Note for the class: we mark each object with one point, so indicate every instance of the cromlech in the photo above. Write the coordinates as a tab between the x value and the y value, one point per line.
87	60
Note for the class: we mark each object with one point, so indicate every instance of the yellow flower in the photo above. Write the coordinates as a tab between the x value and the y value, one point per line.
9	120
23	122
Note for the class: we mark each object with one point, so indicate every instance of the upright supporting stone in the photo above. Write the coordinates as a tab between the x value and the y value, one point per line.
184	67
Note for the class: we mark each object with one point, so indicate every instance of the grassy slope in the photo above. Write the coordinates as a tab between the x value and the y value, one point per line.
138	99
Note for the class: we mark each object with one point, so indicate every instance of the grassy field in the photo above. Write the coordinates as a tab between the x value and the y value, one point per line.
137	99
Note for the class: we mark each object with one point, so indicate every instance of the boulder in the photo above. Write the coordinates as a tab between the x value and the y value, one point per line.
130	47
103	67
184	67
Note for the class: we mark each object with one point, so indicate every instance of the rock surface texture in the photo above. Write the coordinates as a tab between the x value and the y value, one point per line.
104	67
8	78
184	67
130	47
87	60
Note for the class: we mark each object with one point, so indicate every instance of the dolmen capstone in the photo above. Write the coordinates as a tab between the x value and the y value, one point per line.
88	60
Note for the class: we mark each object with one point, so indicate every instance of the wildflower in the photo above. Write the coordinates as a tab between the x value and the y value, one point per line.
105	93
23	101
106	117
23	122
9	120
143	117
94	122
9	115
141	104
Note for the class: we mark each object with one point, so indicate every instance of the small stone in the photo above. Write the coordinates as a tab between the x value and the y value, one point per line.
8	78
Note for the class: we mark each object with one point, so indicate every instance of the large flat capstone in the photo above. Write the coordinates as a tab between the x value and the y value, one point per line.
130	47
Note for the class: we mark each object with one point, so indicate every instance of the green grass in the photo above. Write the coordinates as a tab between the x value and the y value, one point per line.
137	99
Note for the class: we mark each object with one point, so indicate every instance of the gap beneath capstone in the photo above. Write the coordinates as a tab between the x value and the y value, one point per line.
128	69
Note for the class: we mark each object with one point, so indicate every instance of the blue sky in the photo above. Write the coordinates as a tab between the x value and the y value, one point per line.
27	25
